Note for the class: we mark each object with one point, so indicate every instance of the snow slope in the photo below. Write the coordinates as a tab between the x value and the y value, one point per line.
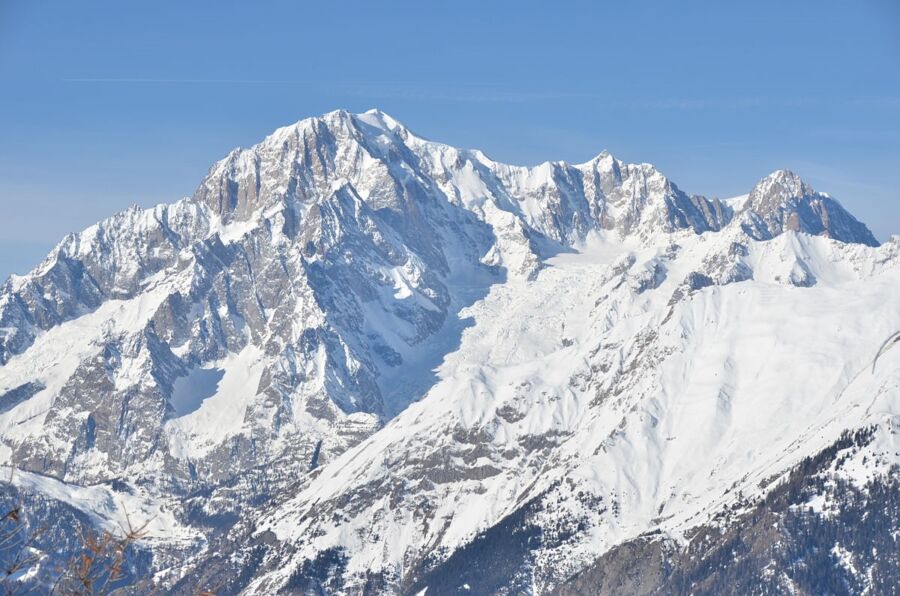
355	340
621	411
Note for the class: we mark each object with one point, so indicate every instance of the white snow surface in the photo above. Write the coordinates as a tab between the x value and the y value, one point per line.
56	353
621	359
227	387
736	384
116	512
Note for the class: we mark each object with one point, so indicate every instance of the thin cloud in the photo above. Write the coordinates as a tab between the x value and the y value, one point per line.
382	91
878	102
486	94
148	81
729	103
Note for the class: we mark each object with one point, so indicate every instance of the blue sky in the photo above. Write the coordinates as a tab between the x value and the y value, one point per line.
107	104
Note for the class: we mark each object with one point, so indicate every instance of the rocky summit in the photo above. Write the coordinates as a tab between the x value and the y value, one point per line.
357	361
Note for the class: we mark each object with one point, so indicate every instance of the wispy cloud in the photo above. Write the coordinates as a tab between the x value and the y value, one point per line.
726	103
878	102
151	81
490	94
474	93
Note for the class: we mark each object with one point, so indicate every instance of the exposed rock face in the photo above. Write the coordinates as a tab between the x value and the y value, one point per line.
354	353
782	201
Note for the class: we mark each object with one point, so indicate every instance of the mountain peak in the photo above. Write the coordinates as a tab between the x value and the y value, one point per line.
782	183
381	115
783	201
372	149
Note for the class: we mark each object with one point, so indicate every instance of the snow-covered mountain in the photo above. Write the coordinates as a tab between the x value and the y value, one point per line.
358	360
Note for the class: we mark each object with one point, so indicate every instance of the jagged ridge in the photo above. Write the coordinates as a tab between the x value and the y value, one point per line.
221	349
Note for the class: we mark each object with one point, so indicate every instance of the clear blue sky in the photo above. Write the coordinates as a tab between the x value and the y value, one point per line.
106	104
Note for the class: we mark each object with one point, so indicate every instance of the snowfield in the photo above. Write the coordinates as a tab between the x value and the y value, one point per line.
741	382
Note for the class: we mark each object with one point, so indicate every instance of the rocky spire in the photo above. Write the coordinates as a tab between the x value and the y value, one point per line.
782	201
